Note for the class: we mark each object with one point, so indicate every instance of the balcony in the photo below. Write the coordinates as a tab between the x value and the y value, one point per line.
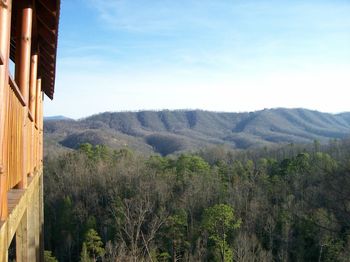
21	178
23	141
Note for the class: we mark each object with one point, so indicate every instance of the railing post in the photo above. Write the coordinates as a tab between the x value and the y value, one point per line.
5	33
37	121
41	121
22	70
33	83
37	101
32	104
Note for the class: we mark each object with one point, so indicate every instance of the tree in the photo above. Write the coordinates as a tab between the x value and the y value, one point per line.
92	246
48	257
248	248
138	223
219	220
176	231
191	163
84	255
87	149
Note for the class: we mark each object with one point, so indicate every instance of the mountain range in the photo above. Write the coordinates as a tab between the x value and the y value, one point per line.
168	132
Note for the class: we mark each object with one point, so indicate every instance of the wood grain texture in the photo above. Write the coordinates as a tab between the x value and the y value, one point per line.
20	219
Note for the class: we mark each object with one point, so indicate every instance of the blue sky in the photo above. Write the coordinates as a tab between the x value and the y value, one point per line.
220	55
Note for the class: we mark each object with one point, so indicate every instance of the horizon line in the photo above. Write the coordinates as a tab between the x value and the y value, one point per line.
195	109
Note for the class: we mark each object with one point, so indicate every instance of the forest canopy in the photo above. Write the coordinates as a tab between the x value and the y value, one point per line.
290	204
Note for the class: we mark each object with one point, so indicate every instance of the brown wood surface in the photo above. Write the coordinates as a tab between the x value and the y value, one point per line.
5	32
23	46
30	117
32	84
45	35
22	207
50	5
17	92
15	140
37	100
47	19
21	121
2	59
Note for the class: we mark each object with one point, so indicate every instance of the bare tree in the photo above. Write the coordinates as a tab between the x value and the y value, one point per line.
248	249
138	223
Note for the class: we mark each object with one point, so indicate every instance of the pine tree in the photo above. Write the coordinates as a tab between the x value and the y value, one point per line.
92	247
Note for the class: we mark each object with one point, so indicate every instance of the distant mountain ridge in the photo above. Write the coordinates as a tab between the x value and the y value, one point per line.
168	131
50	118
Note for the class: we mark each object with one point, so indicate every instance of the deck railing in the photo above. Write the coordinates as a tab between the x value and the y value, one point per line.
24	139
14	141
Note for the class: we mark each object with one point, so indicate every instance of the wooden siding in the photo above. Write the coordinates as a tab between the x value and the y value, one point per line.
14	141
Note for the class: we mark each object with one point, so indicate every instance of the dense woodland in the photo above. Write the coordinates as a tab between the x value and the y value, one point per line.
286	204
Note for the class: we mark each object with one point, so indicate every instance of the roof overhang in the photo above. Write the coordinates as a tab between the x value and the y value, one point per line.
44	40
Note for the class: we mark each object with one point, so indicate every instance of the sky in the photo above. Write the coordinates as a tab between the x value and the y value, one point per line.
217	55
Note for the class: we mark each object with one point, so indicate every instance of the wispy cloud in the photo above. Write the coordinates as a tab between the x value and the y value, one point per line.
157	15
214	54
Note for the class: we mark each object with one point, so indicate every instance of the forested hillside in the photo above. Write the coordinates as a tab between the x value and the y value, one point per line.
290	204
168	132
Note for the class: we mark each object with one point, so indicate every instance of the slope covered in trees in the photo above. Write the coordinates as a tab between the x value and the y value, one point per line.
168	132
290	204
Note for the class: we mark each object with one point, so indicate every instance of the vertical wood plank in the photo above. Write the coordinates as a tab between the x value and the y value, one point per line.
22	240
41	217
33	82
31	227
37	219
5	32
32	108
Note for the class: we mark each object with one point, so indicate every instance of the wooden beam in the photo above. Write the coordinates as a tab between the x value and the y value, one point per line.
46	75
5	38
45	52
48	58
46	72
32	85
17	92
47	87
35	29
43	43
47	18
23	46
13	50
49	65
50	5
22	71
48	69
37	100
46	33
30	116
21	200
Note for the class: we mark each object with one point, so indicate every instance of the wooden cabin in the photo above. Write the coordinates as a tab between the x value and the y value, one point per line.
28	45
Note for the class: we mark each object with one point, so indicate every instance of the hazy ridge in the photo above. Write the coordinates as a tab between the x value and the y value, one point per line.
168	131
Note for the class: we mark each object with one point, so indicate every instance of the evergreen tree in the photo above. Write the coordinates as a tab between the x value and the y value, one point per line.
92	247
